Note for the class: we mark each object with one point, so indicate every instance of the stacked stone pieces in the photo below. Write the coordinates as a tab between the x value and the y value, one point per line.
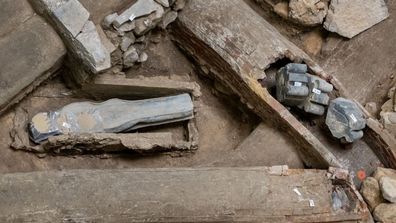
131	27
379	192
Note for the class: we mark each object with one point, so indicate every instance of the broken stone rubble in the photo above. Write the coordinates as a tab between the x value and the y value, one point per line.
138	9
138	20
378	191
371	192
388	112
388	188
385	213
347	18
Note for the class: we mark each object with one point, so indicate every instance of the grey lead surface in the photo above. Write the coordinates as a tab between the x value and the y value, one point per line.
111	116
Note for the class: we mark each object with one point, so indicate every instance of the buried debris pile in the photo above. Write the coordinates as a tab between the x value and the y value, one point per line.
130	30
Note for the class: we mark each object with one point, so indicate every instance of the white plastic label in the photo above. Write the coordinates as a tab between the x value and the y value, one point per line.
311	203
316	91
353	118
297	191
297	84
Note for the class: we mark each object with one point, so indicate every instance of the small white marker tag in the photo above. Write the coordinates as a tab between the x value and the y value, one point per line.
297	84
353	118
311	203
316	91
297	192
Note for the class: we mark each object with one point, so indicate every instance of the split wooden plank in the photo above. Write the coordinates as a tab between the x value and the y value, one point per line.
237	45
99	143
256	194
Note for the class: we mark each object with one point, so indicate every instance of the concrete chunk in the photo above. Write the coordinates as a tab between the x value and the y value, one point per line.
140	8
351	17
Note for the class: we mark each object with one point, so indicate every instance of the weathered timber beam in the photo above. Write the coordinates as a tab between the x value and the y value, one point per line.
97	143
238	45
255	194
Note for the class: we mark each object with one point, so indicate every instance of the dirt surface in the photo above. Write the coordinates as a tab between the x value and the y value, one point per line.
222	125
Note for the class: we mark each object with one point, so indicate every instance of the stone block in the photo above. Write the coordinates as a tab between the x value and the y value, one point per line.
348	18
29	55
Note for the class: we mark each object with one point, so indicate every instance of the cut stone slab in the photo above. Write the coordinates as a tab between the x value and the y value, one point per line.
351	17
385	213
69	16
130	57
255	194
29	55
125	43
97	54
308	12
371	193
138	9
116	86
13	14
388	188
